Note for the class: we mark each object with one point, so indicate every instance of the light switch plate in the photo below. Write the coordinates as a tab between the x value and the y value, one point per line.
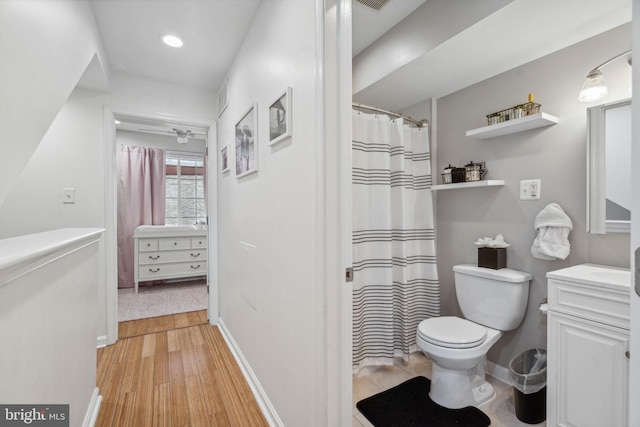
68	195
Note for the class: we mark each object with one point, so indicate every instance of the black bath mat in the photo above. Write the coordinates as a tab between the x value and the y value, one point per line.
409	405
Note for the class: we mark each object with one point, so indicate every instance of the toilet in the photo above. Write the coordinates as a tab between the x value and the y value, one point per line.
492	301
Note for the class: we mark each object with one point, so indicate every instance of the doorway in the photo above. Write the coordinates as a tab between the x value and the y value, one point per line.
185	158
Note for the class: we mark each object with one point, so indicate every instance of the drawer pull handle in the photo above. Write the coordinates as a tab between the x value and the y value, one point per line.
196	267
175	243
148	245
154	270
195	255
154	257
628	354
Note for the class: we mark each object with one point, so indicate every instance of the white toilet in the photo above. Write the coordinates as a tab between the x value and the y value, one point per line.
492	301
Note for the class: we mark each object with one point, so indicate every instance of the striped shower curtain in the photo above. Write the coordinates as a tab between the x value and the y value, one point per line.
395	282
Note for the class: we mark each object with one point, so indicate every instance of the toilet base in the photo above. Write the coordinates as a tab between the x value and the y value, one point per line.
455	389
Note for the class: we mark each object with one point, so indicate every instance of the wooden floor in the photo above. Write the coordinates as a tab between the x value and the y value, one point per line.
134	328
169	375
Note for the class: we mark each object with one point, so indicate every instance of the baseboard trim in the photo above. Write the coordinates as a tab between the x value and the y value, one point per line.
498	372
102	341
260	395
92	411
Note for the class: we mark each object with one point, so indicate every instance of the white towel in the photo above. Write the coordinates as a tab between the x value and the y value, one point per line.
552	240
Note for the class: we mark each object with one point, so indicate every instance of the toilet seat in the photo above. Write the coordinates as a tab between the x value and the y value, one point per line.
452	332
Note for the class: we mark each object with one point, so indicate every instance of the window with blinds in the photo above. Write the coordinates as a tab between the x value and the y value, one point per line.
185	189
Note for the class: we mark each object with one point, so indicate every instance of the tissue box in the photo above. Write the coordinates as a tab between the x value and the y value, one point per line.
495	258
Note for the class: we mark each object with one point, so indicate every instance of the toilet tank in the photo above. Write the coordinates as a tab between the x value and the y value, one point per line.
493	298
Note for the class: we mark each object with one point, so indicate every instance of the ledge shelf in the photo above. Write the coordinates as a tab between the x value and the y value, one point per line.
513	126
474	184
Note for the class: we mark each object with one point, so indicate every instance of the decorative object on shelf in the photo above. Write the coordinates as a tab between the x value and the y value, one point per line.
532	121
246	143
474	171
469	173
457	175
446	175
280	118
515	112
453	174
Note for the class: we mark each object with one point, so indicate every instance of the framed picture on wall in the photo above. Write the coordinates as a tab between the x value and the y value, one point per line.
247	142
223	97
280	118
224	154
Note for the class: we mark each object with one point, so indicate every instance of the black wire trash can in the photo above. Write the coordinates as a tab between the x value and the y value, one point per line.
528	375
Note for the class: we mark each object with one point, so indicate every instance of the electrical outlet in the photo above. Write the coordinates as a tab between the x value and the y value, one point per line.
530	189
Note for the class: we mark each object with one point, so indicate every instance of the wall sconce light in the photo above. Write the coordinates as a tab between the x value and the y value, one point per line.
594	87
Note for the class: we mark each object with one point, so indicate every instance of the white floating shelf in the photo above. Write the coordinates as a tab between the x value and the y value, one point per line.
474	184
513	126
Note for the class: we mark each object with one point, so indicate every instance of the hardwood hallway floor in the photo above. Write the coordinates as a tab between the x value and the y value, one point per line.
169	372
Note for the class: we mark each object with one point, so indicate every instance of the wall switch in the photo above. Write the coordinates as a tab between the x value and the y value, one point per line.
68	195
530	189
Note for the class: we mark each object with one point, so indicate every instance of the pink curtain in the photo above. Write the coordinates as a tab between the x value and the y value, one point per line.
141	201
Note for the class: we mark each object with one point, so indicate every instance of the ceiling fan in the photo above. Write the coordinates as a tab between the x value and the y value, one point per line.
182	135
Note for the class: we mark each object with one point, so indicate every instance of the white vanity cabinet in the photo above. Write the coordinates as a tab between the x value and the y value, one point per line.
169	252
588	344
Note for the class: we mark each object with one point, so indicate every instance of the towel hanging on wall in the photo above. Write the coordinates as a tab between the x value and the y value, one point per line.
552	240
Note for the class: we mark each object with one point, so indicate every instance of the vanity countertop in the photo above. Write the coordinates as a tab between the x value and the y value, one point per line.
595	274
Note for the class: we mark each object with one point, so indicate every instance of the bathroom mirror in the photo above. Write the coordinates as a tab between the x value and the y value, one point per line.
609	168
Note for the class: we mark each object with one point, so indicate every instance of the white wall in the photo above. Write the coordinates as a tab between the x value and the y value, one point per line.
429	26
51	139
166	142
556	155
634	363
162	99
48	298
45	48
69	156
268	293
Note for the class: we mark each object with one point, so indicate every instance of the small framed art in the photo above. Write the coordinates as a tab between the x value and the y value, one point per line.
280	118
247	142
223	97
224	154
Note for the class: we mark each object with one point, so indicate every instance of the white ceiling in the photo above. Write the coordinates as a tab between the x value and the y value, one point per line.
519	33
213	31
369	24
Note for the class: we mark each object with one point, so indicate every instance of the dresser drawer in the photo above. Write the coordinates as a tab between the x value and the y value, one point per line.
163	257
146	245
171	243
199	242
172	270
590	302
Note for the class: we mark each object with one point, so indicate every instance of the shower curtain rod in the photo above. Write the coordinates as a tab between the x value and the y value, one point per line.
418	123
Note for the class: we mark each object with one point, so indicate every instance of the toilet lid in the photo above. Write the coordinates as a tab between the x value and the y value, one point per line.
452	332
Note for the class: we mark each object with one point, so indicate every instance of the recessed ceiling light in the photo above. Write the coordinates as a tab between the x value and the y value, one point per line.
117	121
171	40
